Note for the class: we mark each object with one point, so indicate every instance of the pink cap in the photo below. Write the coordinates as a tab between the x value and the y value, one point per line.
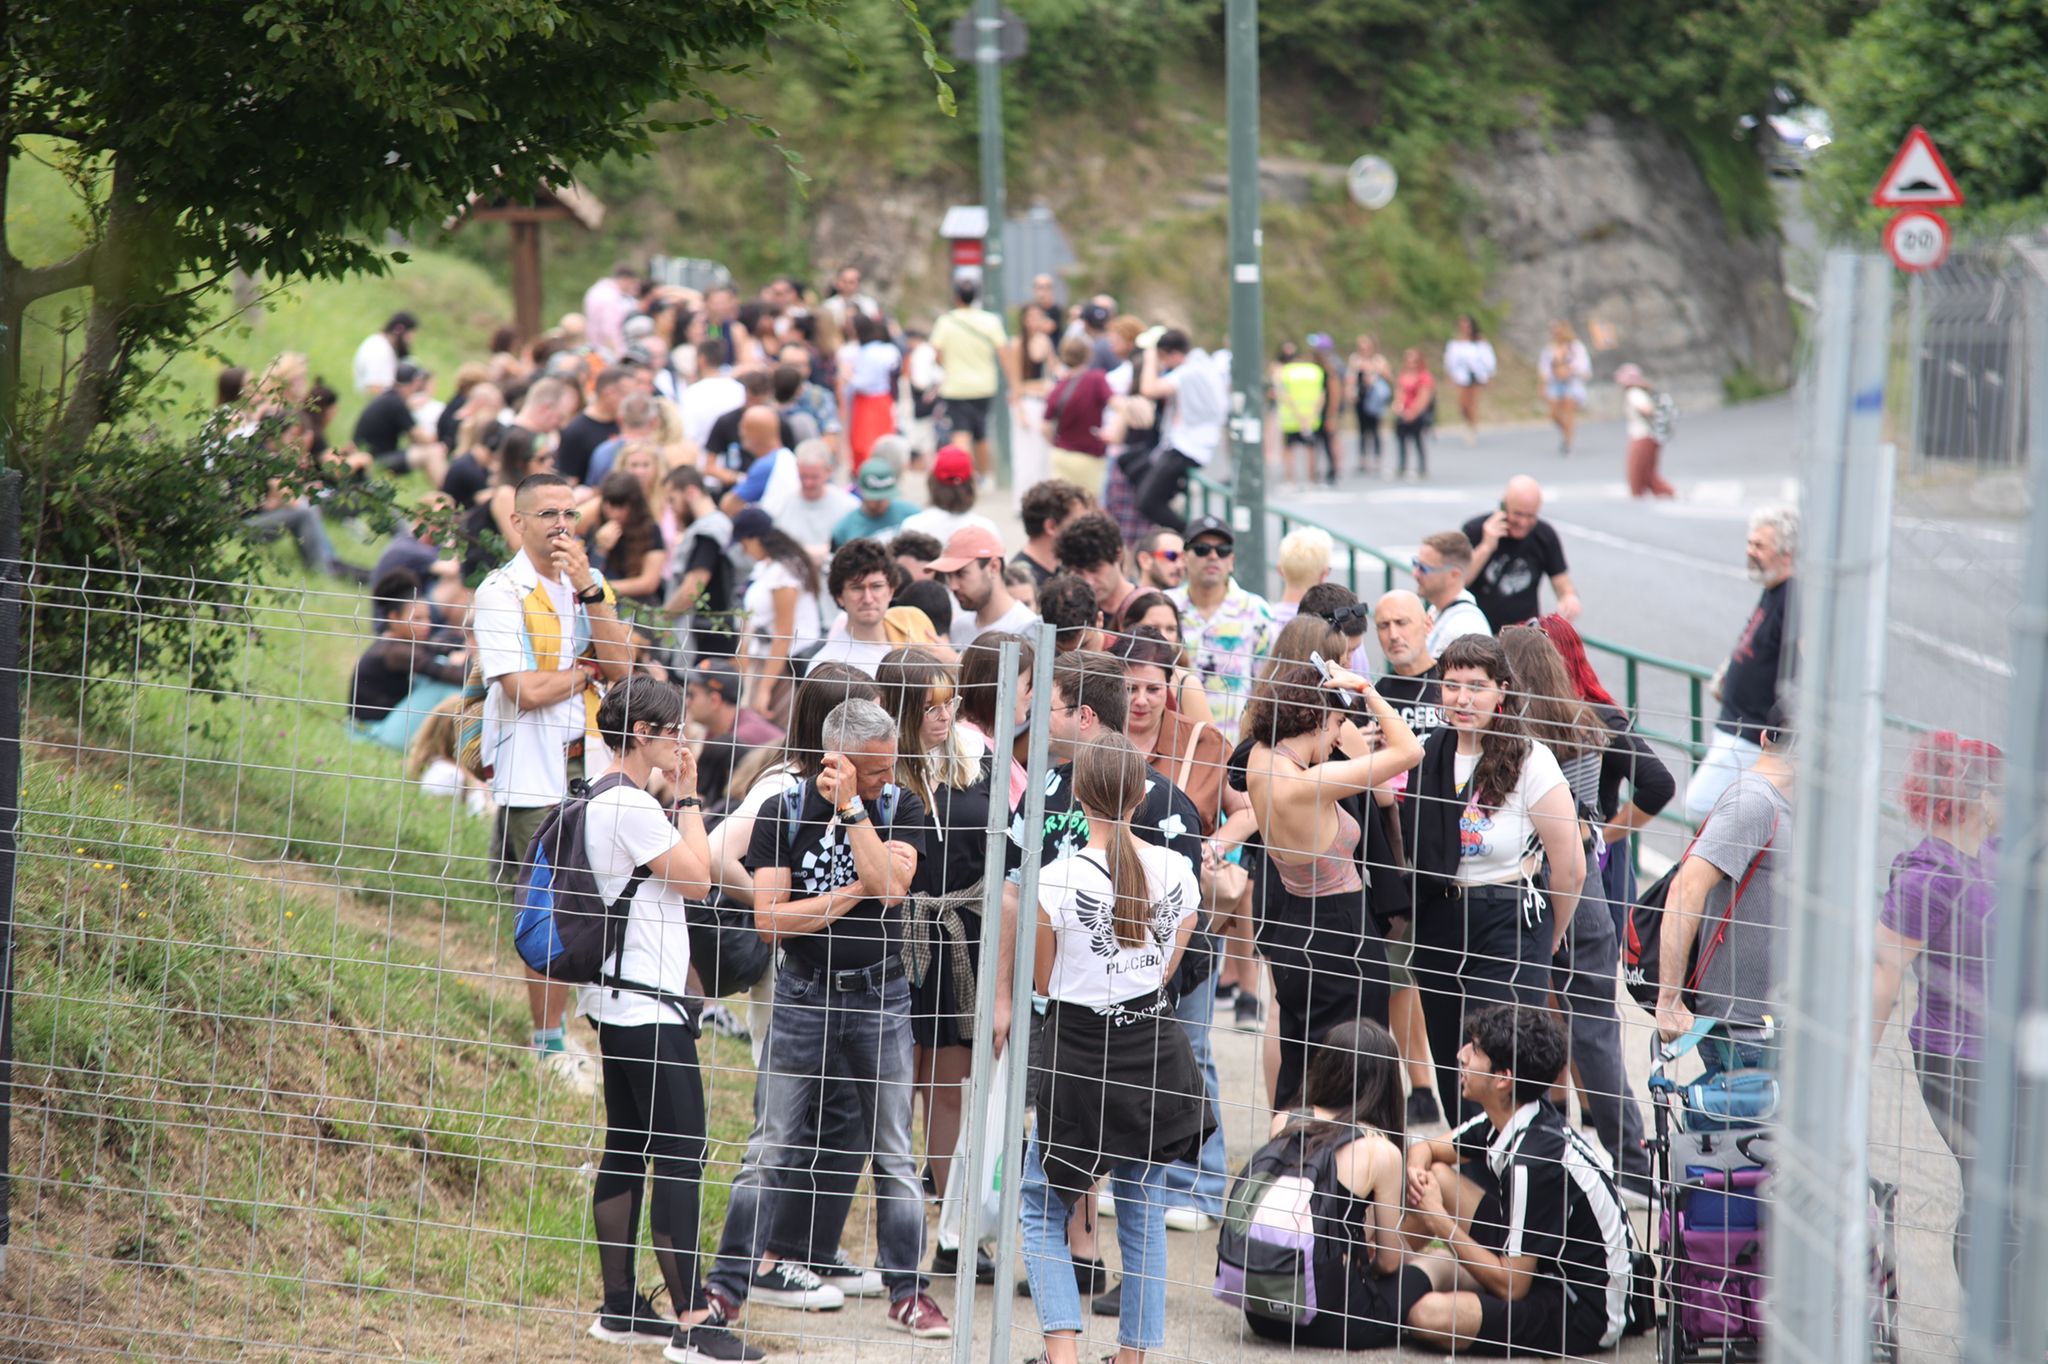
968	544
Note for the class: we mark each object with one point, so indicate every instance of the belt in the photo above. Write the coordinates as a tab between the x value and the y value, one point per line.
845	982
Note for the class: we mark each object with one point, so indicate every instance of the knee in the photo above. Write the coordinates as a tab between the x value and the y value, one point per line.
1433	1315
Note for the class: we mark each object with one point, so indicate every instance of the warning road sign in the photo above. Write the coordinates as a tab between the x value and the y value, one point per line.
1916	240
1917	177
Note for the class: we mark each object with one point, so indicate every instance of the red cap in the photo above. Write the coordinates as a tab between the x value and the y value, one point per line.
953	465
968	544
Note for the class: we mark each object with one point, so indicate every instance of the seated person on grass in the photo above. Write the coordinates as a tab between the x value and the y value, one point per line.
1538	1244
401	671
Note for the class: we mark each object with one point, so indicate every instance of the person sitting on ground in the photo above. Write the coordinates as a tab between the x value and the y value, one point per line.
399	656
1350	1126
431	763
1540	1245
640	423
390	431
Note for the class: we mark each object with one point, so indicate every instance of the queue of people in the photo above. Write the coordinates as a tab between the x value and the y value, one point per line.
682	566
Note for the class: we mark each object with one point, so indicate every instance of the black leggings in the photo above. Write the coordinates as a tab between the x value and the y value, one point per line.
654	1115
1328	968
1165	480
1407	433
1368	434
1472	950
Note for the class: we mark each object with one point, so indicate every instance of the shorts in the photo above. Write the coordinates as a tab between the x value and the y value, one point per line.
511	836
1541	1321
966	414
1298	437
1574	389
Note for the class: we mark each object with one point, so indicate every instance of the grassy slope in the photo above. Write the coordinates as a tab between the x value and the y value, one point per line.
271	1036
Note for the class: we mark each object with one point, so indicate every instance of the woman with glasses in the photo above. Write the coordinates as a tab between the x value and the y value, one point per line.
948	766
653	1091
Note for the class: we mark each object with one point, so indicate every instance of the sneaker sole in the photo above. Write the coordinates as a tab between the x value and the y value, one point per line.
923	1333
599	1331
675	1356
798	1302
862	1288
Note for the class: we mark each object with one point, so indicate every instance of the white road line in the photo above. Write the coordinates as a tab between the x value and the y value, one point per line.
1960	653
1637	547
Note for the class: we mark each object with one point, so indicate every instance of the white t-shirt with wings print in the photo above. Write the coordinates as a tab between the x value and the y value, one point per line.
1090	966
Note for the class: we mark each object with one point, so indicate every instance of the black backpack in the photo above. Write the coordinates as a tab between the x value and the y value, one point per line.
565	930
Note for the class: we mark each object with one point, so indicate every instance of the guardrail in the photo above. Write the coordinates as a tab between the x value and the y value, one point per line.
1207	498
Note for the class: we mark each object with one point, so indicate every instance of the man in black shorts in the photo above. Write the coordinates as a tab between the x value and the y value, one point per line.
1540	1247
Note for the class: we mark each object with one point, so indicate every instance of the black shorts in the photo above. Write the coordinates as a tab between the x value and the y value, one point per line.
967	414
1541	1321
1299	437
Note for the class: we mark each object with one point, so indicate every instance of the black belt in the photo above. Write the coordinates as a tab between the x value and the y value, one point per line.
845	982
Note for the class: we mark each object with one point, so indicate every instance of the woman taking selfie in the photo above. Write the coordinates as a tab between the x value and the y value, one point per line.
1115	1083
1329	965
1486	812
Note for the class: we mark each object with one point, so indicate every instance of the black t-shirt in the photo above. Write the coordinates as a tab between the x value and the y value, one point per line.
1039	572
1561	1207
448	425
579	440
820	859
956	846
1510	587
1165	818
1414	699
384	676
384	423
1750	686
723	444
466	481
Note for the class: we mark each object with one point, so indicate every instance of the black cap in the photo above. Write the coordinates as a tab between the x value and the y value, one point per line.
751	523
1095	315
405	372
1210	525
717	675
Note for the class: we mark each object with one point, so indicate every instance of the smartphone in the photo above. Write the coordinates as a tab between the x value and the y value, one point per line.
1351	698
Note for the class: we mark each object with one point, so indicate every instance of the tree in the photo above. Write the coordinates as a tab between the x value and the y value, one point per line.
1972	75
287	136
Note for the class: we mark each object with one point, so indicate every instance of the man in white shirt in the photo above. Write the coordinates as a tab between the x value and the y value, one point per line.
547	632
859	580
847	299
1180	374
606	306
817	505
376	362
972	569
712	396
1442	563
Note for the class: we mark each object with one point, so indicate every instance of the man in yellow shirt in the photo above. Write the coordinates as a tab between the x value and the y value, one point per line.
969	340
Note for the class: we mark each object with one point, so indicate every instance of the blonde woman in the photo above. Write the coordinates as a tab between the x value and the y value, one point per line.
1566	367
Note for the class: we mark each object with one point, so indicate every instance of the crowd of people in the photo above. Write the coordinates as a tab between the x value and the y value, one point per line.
1388	837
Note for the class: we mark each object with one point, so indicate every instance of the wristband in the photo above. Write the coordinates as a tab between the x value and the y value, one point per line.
591	595
854	813
689	802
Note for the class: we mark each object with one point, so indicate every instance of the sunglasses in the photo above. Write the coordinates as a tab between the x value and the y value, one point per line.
1208	548
1424	570
1172	556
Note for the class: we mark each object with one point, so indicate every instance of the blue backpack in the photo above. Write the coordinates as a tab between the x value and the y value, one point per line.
565	930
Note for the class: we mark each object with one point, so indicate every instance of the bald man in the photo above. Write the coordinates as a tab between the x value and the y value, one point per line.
771	477
1402	621
1513	550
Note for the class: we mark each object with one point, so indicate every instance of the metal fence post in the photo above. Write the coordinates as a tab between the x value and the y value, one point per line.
1820	1235
982	1067
2012	1125
1037	762
10	823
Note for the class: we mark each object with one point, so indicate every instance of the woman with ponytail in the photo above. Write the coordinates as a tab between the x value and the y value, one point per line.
1115	1083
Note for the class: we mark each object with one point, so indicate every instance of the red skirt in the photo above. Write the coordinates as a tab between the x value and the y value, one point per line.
874	416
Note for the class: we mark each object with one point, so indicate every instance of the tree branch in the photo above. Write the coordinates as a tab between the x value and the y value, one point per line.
27	284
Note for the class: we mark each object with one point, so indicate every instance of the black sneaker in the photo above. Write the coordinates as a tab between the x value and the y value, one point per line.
849	1278
638	1325
708	1344
1110	1304
1422	1109
1249	1013
1226	996
788	1284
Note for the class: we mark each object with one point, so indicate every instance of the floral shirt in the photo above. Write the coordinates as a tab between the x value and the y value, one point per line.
1226	647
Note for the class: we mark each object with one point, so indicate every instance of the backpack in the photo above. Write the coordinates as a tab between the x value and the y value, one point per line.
1643	937
565	930
1267	1249
1663	418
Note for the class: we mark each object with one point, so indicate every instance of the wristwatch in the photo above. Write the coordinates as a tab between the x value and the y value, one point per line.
591	595
854	813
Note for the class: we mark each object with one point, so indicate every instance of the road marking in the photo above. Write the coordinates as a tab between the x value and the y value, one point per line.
1637	547
1960	653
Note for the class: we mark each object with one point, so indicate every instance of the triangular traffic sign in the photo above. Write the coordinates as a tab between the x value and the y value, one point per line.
1917	177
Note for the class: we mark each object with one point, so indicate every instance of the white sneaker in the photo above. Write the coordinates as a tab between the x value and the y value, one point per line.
575	1070
1105	1206
790	1285
1187	1219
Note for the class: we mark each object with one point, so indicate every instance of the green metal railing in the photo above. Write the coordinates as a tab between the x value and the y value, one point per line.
1206	498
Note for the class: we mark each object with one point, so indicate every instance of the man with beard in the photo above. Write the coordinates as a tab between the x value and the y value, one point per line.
548	634
972	568
701	568
1747	684
1162	561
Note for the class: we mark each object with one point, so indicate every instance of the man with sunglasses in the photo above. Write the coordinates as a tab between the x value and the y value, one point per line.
1225	627
1162	561
1442	564
972	570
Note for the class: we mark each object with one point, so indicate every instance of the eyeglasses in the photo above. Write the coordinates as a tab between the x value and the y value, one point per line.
1062	710
1424	570
934	709
1210	547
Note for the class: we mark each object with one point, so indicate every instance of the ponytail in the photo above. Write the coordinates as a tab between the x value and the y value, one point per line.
1109	780
1133	887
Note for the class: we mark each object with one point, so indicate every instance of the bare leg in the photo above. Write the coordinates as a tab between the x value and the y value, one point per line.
1411	1038
549	1000
1568	421
948	1070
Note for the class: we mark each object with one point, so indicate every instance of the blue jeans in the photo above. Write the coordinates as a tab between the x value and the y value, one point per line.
1203	1187
1140	1237
1727	757
1584	985
861	1039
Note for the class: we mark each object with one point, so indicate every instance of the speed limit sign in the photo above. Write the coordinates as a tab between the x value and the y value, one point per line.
1916	240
